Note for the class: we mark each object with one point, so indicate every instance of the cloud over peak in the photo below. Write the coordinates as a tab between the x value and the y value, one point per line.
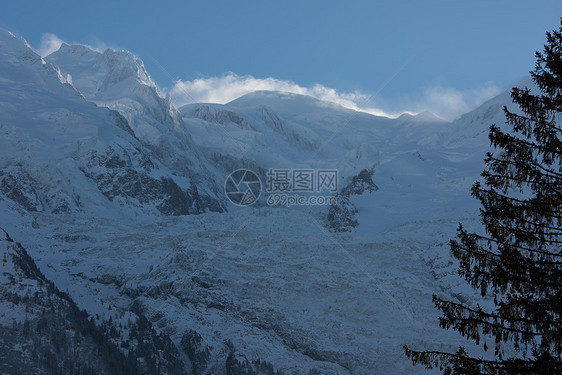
49	44
450	103
231	86
446	103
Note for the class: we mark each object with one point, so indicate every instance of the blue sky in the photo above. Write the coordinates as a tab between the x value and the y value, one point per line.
410	55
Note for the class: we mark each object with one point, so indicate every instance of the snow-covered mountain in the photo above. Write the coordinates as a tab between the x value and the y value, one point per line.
277	129
99	176
118	80
60	152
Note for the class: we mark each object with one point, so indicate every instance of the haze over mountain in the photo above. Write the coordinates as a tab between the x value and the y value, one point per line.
118	197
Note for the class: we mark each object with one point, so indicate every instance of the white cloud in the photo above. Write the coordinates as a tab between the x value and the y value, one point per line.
49	44
450	103
446	103
231	86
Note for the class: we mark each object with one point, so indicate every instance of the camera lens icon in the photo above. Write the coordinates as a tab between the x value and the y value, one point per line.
242	187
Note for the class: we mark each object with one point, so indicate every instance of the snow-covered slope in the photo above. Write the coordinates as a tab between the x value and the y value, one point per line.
90	151
35	322
43	331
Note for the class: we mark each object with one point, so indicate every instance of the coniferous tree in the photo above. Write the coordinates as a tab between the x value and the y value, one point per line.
519	258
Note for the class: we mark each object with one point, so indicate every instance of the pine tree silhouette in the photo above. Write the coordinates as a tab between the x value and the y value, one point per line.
519	258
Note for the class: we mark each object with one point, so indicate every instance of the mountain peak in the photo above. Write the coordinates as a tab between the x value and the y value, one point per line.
112	72
286	102
16	47
74	49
